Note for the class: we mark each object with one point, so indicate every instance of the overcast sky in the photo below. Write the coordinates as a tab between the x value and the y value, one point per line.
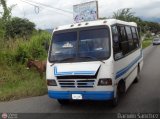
50	18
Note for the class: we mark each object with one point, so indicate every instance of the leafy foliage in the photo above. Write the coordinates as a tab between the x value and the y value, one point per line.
127	15
124	14
19	27
20	51
6	11
2	32
15	80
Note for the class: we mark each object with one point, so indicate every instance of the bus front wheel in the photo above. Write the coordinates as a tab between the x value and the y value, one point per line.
115	100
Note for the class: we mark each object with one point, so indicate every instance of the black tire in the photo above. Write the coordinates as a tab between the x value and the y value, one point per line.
138	75
63	102
115	100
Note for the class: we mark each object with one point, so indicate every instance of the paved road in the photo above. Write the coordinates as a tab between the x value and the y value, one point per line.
141	97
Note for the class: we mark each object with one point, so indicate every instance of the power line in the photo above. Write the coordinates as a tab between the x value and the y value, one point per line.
50	6
37	6
45	5
29	3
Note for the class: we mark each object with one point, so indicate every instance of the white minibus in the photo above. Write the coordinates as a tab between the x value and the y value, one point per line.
95	60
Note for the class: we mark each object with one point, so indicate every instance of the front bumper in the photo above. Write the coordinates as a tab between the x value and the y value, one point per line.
86	95
156	43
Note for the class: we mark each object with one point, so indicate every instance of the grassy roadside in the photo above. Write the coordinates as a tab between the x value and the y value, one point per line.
18	82
15	80
146	42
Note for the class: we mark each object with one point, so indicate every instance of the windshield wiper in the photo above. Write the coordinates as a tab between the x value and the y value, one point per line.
70	58
93	58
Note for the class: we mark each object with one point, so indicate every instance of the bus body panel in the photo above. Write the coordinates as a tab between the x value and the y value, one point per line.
126	66
105	70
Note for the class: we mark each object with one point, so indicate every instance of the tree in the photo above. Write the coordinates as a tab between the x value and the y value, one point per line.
18	27
6	11
127	15
6	17
1	29
124	14
153	27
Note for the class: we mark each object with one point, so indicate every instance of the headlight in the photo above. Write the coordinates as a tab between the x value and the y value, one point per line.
51	82
104	82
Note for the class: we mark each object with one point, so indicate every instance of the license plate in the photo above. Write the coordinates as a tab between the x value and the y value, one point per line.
76	96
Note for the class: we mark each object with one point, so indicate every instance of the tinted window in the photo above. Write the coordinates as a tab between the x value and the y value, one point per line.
64	45
129	33
130	38
122	33
116	43
115	35
123	40
94	43
80	45
134	33
135	37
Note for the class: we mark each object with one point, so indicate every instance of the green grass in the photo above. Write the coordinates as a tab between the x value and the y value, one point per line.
18	82
146	42
15	80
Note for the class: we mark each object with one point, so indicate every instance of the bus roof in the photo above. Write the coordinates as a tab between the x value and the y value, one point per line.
108	22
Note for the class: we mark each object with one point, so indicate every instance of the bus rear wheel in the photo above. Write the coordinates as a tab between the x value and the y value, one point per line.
138	75
63	102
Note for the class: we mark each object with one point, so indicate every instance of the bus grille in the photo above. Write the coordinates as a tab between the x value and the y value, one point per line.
76	83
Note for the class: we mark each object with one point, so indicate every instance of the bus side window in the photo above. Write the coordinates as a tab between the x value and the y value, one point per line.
116	43
130	38
123	40
139	31
135	37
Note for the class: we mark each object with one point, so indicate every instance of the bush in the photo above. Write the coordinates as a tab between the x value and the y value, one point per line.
22	54
34	48
20	51
18	27
7	57
37	46
148	35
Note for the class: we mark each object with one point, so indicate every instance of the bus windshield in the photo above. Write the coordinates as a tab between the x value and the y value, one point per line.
80	45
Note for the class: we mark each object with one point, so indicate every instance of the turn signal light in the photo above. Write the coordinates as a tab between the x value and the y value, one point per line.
51	82
105	82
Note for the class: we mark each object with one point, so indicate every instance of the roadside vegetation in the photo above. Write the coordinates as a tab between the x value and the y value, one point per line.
146	42
148	38
15	79
20	41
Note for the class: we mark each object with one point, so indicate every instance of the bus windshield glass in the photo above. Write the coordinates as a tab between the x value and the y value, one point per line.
80	45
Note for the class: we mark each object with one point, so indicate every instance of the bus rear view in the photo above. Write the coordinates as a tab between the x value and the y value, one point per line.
81	64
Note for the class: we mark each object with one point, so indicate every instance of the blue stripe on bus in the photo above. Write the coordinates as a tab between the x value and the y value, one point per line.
124	70
73	72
